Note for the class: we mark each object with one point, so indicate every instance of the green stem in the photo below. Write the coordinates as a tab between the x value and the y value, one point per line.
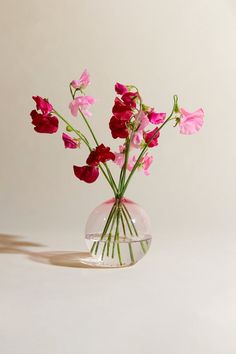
109	219
123	225
131	253
118	237
130	218
124	167
89	127
127	222
129	244
107	243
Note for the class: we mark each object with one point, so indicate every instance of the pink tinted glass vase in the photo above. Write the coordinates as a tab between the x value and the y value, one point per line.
118	233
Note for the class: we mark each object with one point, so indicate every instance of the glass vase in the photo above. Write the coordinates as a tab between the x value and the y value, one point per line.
118	233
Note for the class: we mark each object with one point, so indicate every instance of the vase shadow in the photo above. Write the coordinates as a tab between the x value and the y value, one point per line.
12	244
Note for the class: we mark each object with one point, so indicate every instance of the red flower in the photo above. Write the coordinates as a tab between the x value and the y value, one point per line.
148	136
88	174
118	128
121	110
100	154
42	104
44	123
129	98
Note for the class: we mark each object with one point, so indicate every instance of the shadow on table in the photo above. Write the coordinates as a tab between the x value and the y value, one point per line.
16	245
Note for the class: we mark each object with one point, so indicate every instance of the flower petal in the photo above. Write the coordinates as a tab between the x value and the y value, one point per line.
191	123
88	174
69	142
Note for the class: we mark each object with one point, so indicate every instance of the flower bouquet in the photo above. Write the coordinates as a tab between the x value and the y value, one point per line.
118	230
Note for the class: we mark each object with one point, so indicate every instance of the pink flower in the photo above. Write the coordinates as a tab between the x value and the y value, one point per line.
122	148
81	103
69	142
156	118
120	89
131	162
146	162
141	121
120	156
42	104
149	135
191	123
88	174
83	81
137	139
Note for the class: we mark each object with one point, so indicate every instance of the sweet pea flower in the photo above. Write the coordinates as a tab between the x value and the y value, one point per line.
131	162
121	110
100	154
156	118
118	128
146	162
44	123
69	142
137	139
42	104
120	89
149	135
81	103
191	123
83	81
120	156
141	122
129	98
88	174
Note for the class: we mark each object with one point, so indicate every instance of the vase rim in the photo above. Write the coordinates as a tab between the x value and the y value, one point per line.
122	200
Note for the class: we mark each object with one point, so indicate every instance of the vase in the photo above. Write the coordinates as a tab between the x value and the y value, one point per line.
118	233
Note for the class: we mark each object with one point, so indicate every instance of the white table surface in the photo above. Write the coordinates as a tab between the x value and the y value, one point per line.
179	299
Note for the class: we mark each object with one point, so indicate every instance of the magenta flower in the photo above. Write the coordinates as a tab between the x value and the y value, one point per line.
191	123
156	118
81	103
69	142
44	123
88	174
120	89
42	104
149	135
83	81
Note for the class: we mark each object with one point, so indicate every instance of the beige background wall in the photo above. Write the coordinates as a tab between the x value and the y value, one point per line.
181	298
